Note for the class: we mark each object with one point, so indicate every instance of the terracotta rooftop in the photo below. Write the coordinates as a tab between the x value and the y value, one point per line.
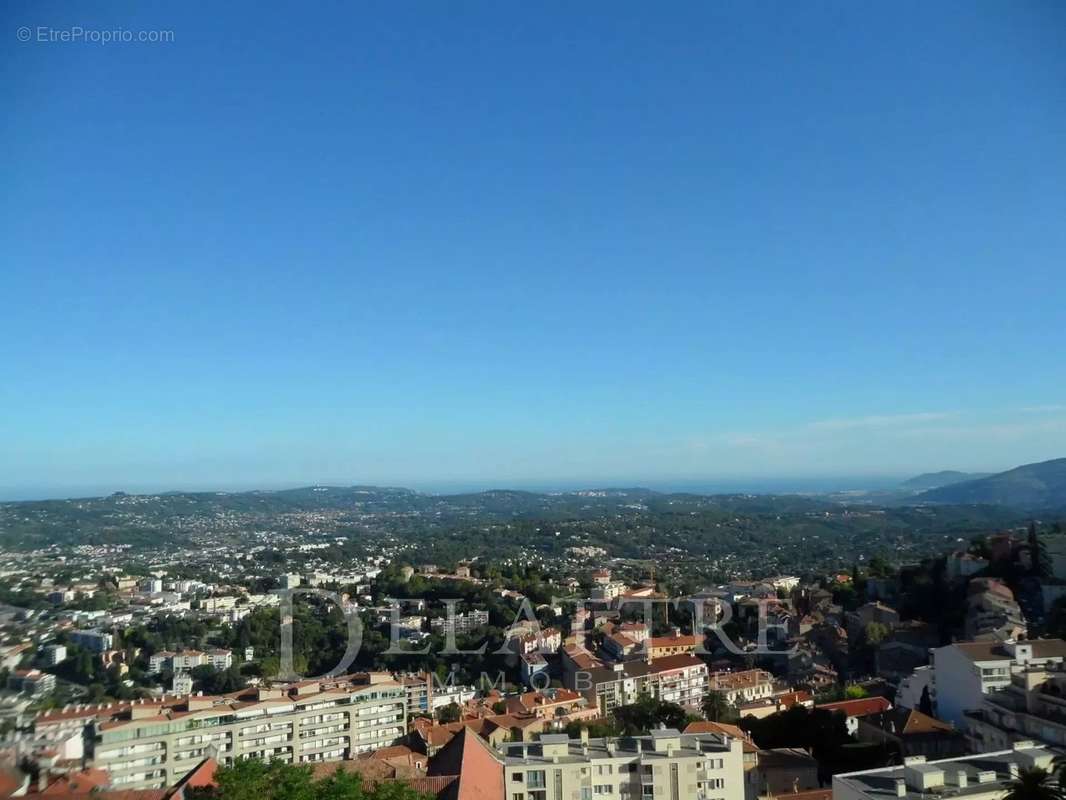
479	769
739	680
858	708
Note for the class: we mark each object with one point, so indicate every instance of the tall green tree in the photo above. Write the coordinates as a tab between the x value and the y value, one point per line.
1039	560
717	709
251	779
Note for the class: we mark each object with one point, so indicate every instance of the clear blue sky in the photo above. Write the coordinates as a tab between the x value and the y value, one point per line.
504	243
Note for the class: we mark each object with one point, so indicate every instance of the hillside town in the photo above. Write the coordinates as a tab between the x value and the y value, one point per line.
131	675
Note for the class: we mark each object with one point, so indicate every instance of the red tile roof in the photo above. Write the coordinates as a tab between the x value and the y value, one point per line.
858	708
479	769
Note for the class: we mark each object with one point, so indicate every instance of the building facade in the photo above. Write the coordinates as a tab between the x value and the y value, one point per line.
677	679
742	687
964	672
152	744
667	765
1033	707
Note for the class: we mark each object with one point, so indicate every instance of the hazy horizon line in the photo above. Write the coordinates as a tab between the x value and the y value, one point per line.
816	484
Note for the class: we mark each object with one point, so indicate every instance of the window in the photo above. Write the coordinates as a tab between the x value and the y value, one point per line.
604	789
586	793
536	779
517	796
517	777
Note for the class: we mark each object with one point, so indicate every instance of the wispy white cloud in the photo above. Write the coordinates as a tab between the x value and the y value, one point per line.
1053	408
881	421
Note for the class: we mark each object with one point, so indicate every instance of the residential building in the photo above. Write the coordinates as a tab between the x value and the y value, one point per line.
608	591
854	710
463	623
533	665
618	646
1032	706
188	660
290	581
418	689
751	752
908	732
546	640
447	694
11	655
667	764
742	687
680	679
151	744
783	771
961	564
964	672
985	776
992	611
672	645
546	704
32	681
182	684
55	654
910	691
785	582
772	705
94	640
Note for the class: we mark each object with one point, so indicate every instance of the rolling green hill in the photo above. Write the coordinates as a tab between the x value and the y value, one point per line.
934	480
1030	486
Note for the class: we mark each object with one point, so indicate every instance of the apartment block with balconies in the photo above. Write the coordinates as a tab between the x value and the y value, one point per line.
667	765
152	744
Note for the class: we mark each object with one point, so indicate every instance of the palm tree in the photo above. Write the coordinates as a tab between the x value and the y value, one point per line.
1058	769
1035	784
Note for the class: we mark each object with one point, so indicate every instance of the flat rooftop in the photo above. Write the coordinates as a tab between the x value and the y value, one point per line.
517	754
951	777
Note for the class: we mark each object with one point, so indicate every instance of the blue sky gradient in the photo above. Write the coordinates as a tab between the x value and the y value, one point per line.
485	244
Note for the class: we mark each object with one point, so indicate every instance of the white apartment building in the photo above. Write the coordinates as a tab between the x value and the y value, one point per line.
609	590
188	660
977	777
213	605
667	765
1032	707
152	744
448	694
964	672
55	654
680	679
785	582
463	623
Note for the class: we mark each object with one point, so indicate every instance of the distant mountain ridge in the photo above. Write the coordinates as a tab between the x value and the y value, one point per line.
946	477
1030	486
